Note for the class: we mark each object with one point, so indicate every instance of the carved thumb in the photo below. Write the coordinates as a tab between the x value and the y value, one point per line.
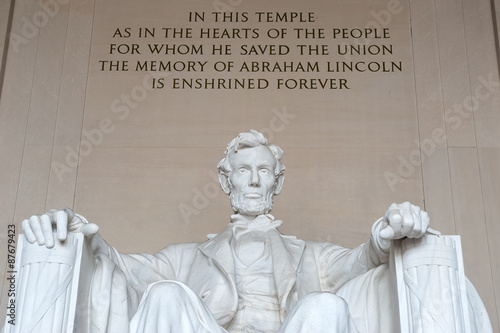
387	233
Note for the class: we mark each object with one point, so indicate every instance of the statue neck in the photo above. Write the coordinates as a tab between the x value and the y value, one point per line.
250	219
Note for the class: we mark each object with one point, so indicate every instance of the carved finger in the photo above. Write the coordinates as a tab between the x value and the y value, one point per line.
46	224
417	225
71	214
28	233
62	224
424	218
408	222
37	229
75	223
395	220
52	214
393	207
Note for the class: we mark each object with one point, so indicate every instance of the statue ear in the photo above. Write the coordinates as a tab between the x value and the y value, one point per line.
224	183
279	184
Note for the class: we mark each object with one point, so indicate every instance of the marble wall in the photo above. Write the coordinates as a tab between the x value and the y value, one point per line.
133	184
4	15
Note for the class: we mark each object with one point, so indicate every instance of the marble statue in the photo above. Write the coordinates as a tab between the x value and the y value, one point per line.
247	278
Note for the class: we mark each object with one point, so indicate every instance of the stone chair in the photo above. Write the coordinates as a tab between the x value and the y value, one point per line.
430	292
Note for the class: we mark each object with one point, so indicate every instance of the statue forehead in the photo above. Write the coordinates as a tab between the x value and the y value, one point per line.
258	154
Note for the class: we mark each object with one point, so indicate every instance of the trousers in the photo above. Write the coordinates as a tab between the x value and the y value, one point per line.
171	307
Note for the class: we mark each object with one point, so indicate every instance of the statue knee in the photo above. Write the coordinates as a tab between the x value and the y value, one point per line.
167	293
324	302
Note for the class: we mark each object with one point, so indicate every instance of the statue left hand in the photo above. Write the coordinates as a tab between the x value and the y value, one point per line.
404	220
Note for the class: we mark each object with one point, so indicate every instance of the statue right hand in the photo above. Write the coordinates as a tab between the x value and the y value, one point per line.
40	228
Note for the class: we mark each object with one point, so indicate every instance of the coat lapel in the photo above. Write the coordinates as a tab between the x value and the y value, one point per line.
218	249
212	277
286	252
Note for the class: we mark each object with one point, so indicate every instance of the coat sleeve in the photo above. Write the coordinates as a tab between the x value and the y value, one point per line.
338	265
142	269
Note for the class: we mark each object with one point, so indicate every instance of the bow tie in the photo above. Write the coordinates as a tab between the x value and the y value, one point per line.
263	223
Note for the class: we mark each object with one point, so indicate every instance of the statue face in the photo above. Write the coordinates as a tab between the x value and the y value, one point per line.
252	180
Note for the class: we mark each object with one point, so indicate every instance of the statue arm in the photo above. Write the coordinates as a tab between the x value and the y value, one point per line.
341	265
338	265
139	269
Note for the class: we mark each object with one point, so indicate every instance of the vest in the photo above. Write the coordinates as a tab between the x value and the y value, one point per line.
258	305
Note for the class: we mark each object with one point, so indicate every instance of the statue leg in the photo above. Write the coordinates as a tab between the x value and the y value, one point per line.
171	307
320	312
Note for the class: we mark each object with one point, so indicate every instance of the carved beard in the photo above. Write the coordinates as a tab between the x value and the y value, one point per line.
251	207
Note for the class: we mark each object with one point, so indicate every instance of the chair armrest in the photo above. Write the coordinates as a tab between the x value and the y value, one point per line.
431	288
51	286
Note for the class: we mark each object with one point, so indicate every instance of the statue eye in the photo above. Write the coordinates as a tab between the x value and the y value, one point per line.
242	170
264	171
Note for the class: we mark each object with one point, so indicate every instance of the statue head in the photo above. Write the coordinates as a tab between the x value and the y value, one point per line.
251	173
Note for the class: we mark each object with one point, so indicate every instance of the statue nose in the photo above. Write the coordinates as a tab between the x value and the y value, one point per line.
255	179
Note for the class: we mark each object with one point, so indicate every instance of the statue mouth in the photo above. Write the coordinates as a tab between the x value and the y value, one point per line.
252	196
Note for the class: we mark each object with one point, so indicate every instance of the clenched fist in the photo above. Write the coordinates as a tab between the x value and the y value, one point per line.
404	220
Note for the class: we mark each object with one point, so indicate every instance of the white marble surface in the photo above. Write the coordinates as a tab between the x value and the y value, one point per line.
360	176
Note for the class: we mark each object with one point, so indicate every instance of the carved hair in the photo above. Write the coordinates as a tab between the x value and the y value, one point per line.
250	140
